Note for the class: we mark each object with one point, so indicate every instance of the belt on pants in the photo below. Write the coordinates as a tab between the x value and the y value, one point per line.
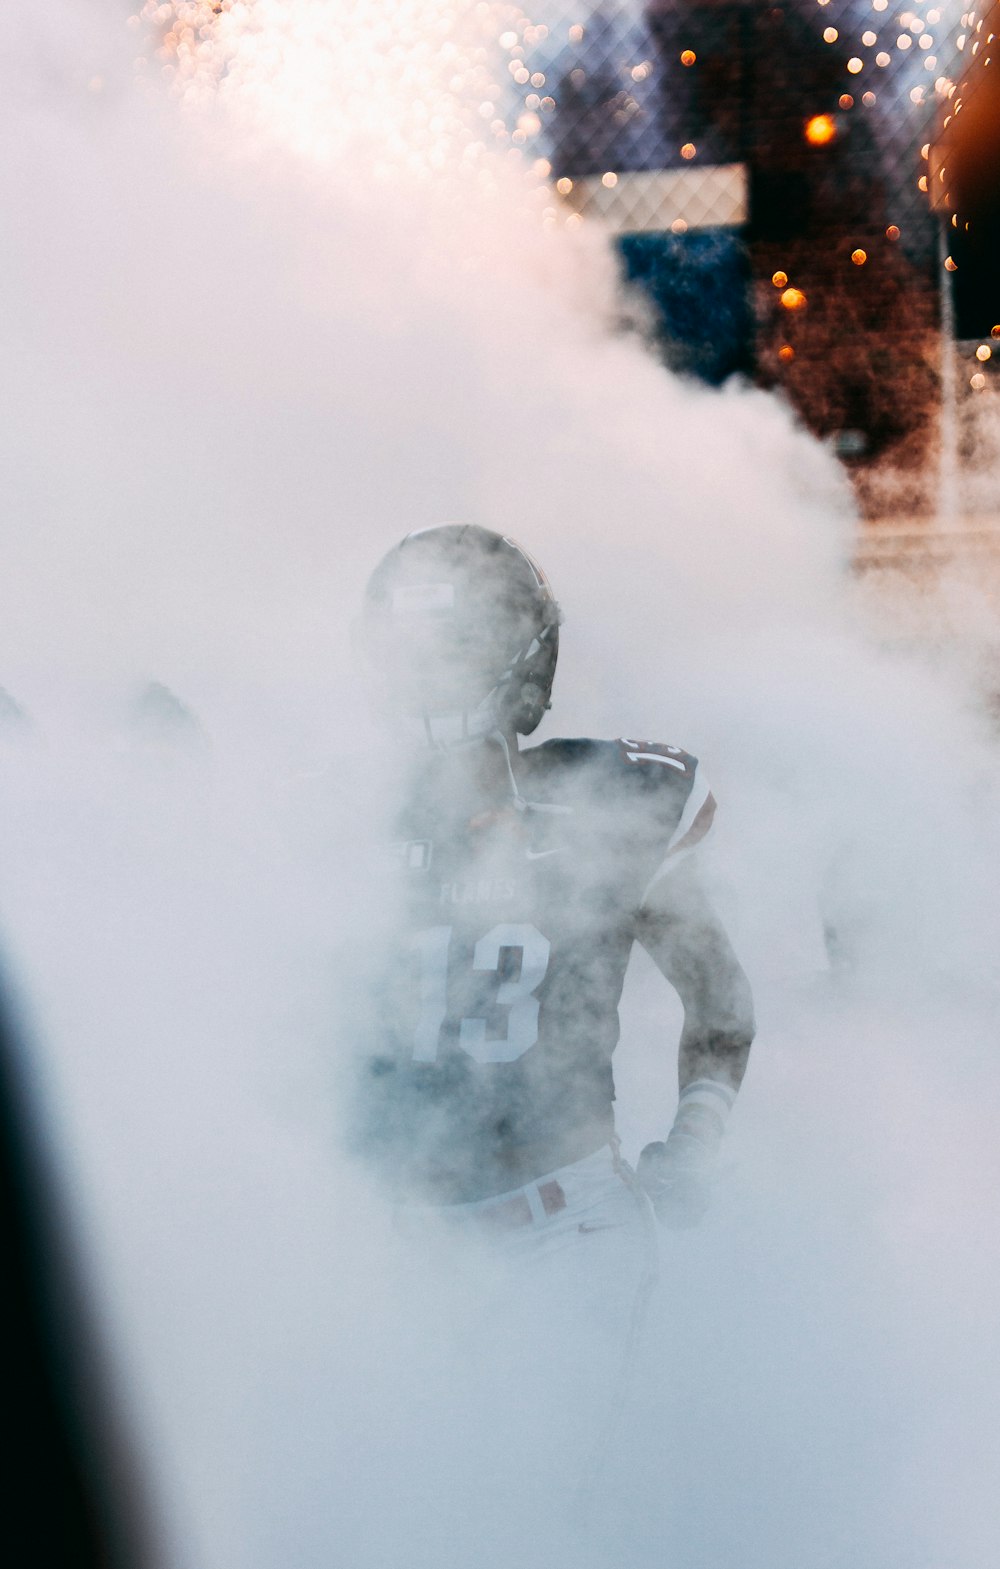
539	1201
516	1209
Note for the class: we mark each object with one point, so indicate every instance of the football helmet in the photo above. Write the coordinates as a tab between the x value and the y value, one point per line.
462	632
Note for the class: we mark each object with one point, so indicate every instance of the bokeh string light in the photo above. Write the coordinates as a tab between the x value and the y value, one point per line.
666	122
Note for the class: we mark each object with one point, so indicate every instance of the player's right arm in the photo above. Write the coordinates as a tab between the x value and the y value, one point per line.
689	944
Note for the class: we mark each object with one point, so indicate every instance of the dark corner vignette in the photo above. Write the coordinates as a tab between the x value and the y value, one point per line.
76	1495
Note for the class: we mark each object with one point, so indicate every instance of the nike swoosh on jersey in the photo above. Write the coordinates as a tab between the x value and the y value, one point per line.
539	855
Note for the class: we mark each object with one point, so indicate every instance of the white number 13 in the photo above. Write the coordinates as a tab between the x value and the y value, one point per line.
517	996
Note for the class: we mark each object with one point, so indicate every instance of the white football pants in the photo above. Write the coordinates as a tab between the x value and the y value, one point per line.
550	1310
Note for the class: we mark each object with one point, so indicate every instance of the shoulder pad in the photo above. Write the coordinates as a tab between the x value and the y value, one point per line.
640	765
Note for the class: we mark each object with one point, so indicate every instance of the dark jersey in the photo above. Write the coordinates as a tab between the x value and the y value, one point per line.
498	1014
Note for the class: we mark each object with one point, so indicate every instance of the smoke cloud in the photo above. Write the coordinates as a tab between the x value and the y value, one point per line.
252	339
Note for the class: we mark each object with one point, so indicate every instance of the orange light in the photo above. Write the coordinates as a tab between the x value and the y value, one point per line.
793	299
786	352
859	257
688	150
892	233
846	101
951	264
688	57
821	129
995	332
779	279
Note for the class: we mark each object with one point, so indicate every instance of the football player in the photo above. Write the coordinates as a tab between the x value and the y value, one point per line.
527	875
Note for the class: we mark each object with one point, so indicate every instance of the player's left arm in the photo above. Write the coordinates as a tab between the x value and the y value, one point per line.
688	942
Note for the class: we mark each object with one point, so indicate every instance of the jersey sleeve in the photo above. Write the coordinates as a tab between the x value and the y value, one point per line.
688	805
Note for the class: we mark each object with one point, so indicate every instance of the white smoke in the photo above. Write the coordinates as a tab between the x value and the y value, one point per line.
247	354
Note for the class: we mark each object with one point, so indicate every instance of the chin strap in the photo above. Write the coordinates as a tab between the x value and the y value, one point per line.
453	733
520	804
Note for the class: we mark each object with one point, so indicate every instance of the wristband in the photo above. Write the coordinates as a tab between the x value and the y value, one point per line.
702	1111
720	1097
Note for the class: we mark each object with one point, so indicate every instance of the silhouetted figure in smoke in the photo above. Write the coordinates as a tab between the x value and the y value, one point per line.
527	877
14	720
158	722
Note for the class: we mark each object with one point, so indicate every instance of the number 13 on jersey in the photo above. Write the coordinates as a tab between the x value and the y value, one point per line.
495	954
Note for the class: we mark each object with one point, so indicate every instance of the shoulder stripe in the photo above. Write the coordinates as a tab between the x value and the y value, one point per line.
695	822
700	824
698	799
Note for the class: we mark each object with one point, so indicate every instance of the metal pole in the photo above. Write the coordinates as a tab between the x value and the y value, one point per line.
947	499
